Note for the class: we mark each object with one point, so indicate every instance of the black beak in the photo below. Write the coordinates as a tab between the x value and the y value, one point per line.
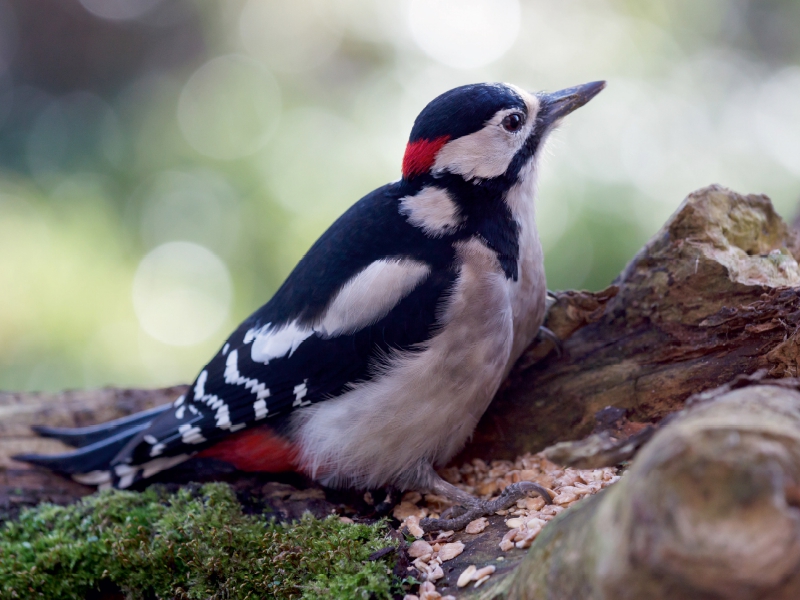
559	104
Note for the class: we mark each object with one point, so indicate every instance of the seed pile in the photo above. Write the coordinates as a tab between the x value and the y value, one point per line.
525	520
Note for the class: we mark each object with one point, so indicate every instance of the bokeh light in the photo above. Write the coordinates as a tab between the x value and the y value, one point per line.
289	36
229	107
181	293
464	34
778	118
195	205
74	132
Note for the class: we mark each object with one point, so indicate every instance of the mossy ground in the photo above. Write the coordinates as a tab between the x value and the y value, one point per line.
196	543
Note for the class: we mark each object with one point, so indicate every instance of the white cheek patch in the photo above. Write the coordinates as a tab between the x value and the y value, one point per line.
270	343
371	295
432	210
489	151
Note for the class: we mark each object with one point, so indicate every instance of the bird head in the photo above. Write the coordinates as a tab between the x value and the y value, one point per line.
487	131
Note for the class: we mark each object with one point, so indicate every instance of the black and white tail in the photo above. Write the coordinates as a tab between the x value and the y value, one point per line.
97	446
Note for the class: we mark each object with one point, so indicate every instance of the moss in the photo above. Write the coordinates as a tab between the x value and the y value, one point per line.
195	543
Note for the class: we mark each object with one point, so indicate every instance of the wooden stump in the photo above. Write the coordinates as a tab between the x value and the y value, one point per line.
709	510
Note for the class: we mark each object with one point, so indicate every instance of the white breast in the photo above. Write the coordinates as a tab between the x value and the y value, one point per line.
529	293
426	404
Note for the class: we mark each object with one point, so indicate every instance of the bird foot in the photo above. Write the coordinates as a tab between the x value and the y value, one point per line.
476	509
548	334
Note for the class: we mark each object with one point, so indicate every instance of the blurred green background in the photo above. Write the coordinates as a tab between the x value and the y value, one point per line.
164	163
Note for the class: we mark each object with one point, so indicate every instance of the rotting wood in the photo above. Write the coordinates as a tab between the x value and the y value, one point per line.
712	295
710	509
22	485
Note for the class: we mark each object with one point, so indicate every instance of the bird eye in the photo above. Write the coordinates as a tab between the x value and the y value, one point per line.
513	122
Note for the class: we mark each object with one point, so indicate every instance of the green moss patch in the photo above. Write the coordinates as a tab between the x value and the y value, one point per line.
191	544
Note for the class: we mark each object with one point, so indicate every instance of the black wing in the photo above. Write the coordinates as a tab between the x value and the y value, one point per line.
234	391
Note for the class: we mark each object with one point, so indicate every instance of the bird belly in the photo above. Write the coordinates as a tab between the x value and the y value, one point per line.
420	405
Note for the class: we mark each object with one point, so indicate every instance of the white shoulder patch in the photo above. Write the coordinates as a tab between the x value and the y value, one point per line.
364	300
371	295
433	210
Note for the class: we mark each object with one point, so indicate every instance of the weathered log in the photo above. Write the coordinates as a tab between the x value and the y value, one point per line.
709	297
710	509
23	485
713	294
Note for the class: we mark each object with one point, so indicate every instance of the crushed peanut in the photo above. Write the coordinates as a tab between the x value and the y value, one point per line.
420	548
412	523
484	572
466	576
566	485
477	525
525	520
450	551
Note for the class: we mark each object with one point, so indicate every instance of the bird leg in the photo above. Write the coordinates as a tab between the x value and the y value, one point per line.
547	334
472	506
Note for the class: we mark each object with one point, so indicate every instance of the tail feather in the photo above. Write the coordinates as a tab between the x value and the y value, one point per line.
87	459
81	437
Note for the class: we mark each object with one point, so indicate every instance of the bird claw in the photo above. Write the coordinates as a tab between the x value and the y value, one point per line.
510	495
548	334
550	300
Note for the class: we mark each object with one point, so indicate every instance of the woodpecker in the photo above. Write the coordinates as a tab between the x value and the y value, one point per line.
373	362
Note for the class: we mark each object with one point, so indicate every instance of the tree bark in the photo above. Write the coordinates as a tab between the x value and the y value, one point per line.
22	485
712	295
709	510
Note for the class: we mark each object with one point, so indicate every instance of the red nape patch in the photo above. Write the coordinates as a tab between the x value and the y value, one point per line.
420	155
258	449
